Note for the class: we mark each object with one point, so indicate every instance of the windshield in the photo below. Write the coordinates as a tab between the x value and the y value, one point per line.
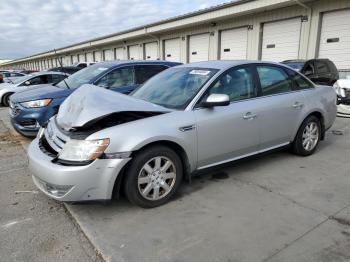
83	76
175	87
295	65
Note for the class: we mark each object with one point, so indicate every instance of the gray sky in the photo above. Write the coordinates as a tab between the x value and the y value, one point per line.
32	26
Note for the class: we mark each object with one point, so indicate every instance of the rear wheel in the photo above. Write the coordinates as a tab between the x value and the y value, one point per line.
308	137
6	99
153	176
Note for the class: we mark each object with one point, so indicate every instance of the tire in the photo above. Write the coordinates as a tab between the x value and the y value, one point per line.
307	140
6	99
146	184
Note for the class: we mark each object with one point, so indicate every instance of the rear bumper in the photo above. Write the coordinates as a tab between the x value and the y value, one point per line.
75	183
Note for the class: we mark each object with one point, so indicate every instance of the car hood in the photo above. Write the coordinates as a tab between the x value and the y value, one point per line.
41	92
90	103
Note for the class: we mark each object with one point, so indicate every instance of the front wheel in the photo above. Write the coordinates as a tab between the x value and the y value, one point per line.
308	137
6	99
153	176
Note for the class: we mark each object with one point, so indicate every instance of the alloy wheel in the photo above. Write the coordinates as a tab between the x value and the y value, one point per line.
310	136
157	178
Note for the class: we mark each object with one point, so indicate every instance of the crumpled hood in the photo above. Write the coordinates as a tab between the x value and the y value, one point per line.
41	92
90	102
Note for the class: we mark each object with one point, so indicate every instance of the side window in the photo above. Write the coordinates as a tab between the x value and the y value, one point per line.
273	80
309	69
238	84
120	77
57	78
300	82
145	72
321	67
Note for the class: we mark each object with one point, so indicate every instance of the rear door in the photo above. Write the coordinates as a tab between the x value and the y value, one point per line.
225	133
281	107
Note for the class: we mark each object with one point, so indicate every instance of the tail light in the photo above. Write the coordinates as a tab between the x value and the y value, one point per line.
1	78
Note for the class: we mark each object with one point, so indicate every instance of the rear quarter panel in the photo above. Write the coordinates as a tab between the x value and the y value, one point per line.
321	99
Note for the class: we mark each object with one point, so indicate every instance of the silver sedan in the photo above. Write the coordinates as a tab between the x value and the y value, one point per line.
26	82
187	118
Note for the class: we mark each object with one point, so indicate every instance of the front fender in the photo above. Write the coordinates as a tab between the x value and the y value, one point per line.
134	135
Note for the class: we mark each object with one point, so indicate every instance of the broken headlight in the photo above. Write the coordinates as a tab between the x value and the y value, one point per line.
83	150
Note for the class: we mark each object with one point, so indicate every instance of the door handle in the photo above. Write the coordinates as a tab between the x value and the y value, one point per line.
298	105
249	116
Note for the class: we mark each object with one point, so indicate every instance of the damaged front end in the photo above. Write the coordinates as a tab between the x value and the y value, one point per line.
87	111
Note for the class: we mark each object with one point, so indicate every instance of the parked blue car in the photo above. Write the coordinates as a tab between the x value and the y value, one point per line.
31	109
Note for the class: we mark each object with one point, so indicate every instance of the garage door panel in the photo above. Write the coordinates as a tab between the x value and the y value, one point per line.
281	40
81	57
172	50
151	51
199	48
98	56
108	55
119	53
335	38
89	57
234	43
134	52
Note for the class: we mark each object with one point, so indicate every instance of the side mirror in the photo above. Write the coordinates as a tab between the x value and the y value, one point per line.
216	100
27	83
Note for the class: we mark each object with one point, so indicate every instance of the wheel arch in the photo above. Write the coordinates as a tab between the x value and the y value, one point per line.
5	95
179	150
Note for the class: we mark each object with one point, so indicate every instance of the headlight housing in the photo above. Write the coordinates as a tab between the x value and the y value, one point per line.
37	103
83	150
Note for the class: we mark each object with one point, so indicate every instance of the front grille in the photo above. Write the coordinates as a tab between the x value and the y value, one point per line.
53	140
46	148
28	122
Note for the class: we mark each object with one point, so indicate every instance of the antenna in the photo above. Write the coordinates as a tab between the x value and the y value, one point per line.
59	60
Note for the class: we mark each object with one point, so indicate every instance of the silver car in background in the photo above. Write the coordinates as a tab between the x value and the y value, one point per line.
185	119
26	82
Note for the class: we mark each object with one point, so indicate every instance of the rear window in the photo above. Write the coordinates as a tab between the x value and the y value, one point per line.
321	67
273	80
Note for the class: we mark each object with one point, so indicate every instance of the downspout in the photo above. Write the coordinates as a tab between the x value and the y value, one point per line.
309	11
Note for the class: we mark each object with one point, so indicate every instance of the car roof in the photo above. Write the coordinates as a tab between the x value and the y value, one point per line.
47	73
134	62
224	64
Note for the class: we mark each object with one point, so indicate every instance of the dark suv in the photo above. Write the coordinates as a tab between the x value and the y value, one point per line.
319	71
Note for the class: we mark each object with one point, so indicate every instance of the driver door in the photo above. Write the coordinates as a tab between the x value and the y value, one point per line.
229	132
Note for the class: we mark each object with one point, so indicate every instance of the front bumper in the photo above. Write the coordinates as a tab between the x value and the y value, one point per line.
75	183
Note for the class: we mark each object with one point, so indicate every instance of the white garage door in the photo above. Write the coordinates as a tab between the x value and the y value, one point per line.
81	57
119	53
172	50
108	54
335	38
151	51
74	58
234	43
199	48
67	61
281	40
98	56
89	57
134	52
